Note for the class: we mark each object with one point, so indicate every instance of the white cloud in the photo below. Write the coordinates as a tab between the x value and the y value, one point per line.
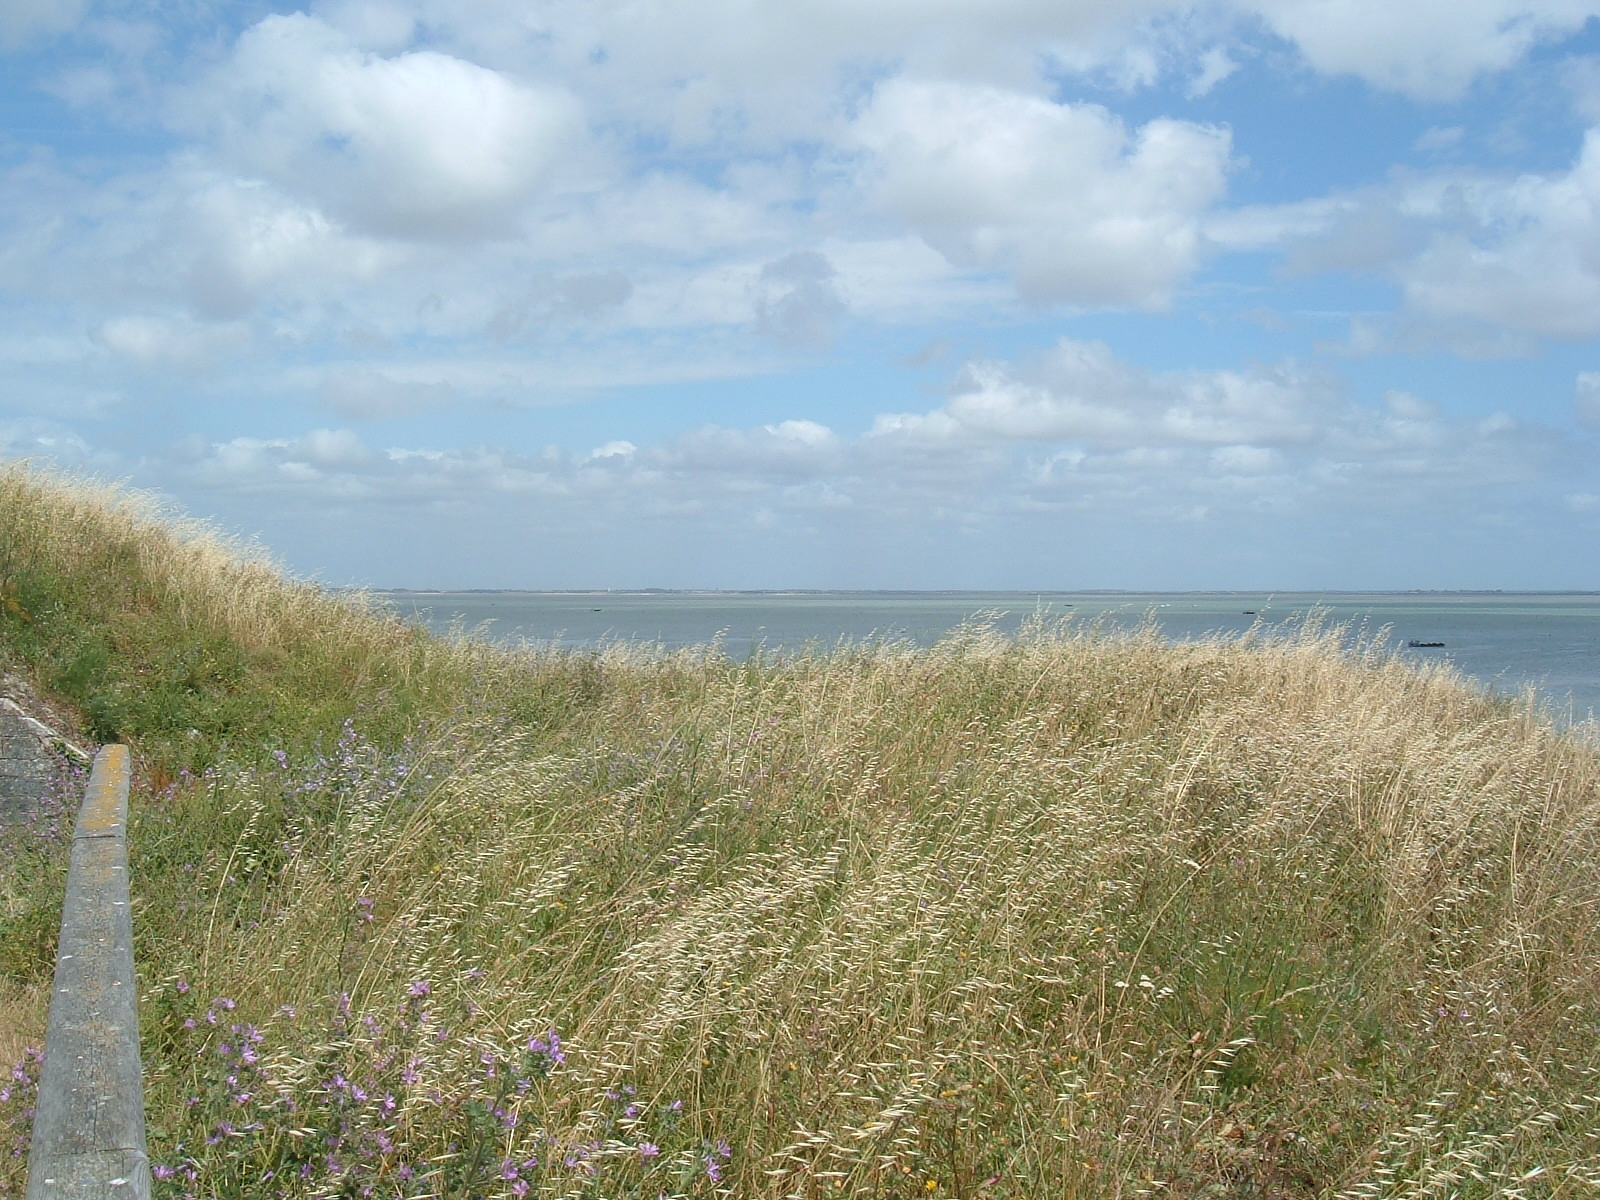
1216	64
219	246
1058	195
1081	392
333	448
1274	226
240	239
339	174
1486	263
787	451
164	342
386	26
1429	49
1523	254
797	301
421	144
321	462
47	443
727	73
1077	427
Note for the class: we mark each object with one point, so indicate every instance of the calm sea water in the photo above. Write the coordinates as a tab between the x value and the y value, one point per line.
1506	641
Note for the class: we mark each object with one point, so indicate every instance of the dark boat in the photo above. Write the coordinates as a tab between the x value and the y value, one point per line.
1416	645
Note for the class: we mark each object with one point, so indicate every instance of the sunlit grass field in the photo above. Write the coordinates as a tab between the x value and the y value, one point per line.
1064	915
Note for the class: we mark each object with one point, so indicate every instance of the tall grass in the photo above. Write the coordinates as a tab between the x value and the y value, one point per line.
1061	915
163	632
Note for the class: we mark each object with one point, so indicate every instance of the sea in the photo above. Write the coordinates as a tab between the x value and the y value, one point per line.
1508	642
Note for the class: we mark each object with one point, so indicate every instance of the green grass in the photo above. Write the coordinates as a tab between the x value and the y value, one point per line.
1060	915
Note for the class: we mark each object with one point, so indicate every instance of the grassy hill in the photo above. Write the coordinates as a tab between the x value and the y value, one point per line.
1062	915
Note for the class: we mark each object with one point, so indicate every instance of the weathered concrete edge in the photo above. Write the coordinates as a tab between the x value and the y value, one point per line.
88	1128
49	738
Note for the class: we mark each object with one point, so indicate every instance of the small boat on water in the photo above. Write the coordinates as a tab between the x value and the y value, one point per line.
1417	645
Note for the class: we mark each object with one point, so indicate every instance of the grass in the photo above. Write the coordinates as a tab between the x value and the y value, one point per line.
1061	915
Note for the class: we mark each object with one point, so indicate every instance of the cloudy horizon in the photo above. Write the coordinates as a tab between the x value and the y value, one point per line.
1011	294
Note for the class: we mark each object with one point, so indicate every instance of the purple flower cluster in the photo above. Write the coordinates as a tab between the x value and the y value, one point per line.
370	1117
396	1104
357	766
17	1098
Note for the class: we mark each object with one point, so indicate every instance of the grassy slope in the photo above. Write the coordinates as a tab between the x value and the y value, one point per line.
1056	916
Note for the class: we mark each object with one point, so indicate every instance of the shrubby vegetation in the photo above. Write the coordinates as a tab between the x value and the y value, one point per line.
1066	914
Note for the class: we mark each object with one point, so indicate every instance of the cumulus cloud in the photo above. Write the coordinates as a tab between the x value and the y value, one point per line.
319	463
1061	196
1429	49
421	144
383	204
1078	425
1486	263
228	242
788	450
797	300
1522	253
1081	392
329	156
723	72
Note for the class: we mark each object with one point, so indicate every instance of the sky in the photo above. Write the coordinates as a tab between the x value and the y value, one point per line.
1031	294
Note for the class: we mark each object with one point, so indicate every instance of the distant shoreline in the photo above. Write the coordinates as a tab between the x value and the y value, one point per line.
1024	592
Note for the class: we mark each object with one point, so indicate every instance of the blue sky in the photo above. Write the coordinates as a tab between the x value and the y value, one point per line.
909	293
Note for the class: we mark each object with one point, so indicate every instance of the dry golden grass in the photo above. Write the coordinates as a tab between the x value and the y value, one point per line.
1061	916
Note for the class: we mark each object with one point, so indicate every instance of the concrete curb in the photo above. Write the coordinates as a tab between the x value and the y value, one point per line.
88	1128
